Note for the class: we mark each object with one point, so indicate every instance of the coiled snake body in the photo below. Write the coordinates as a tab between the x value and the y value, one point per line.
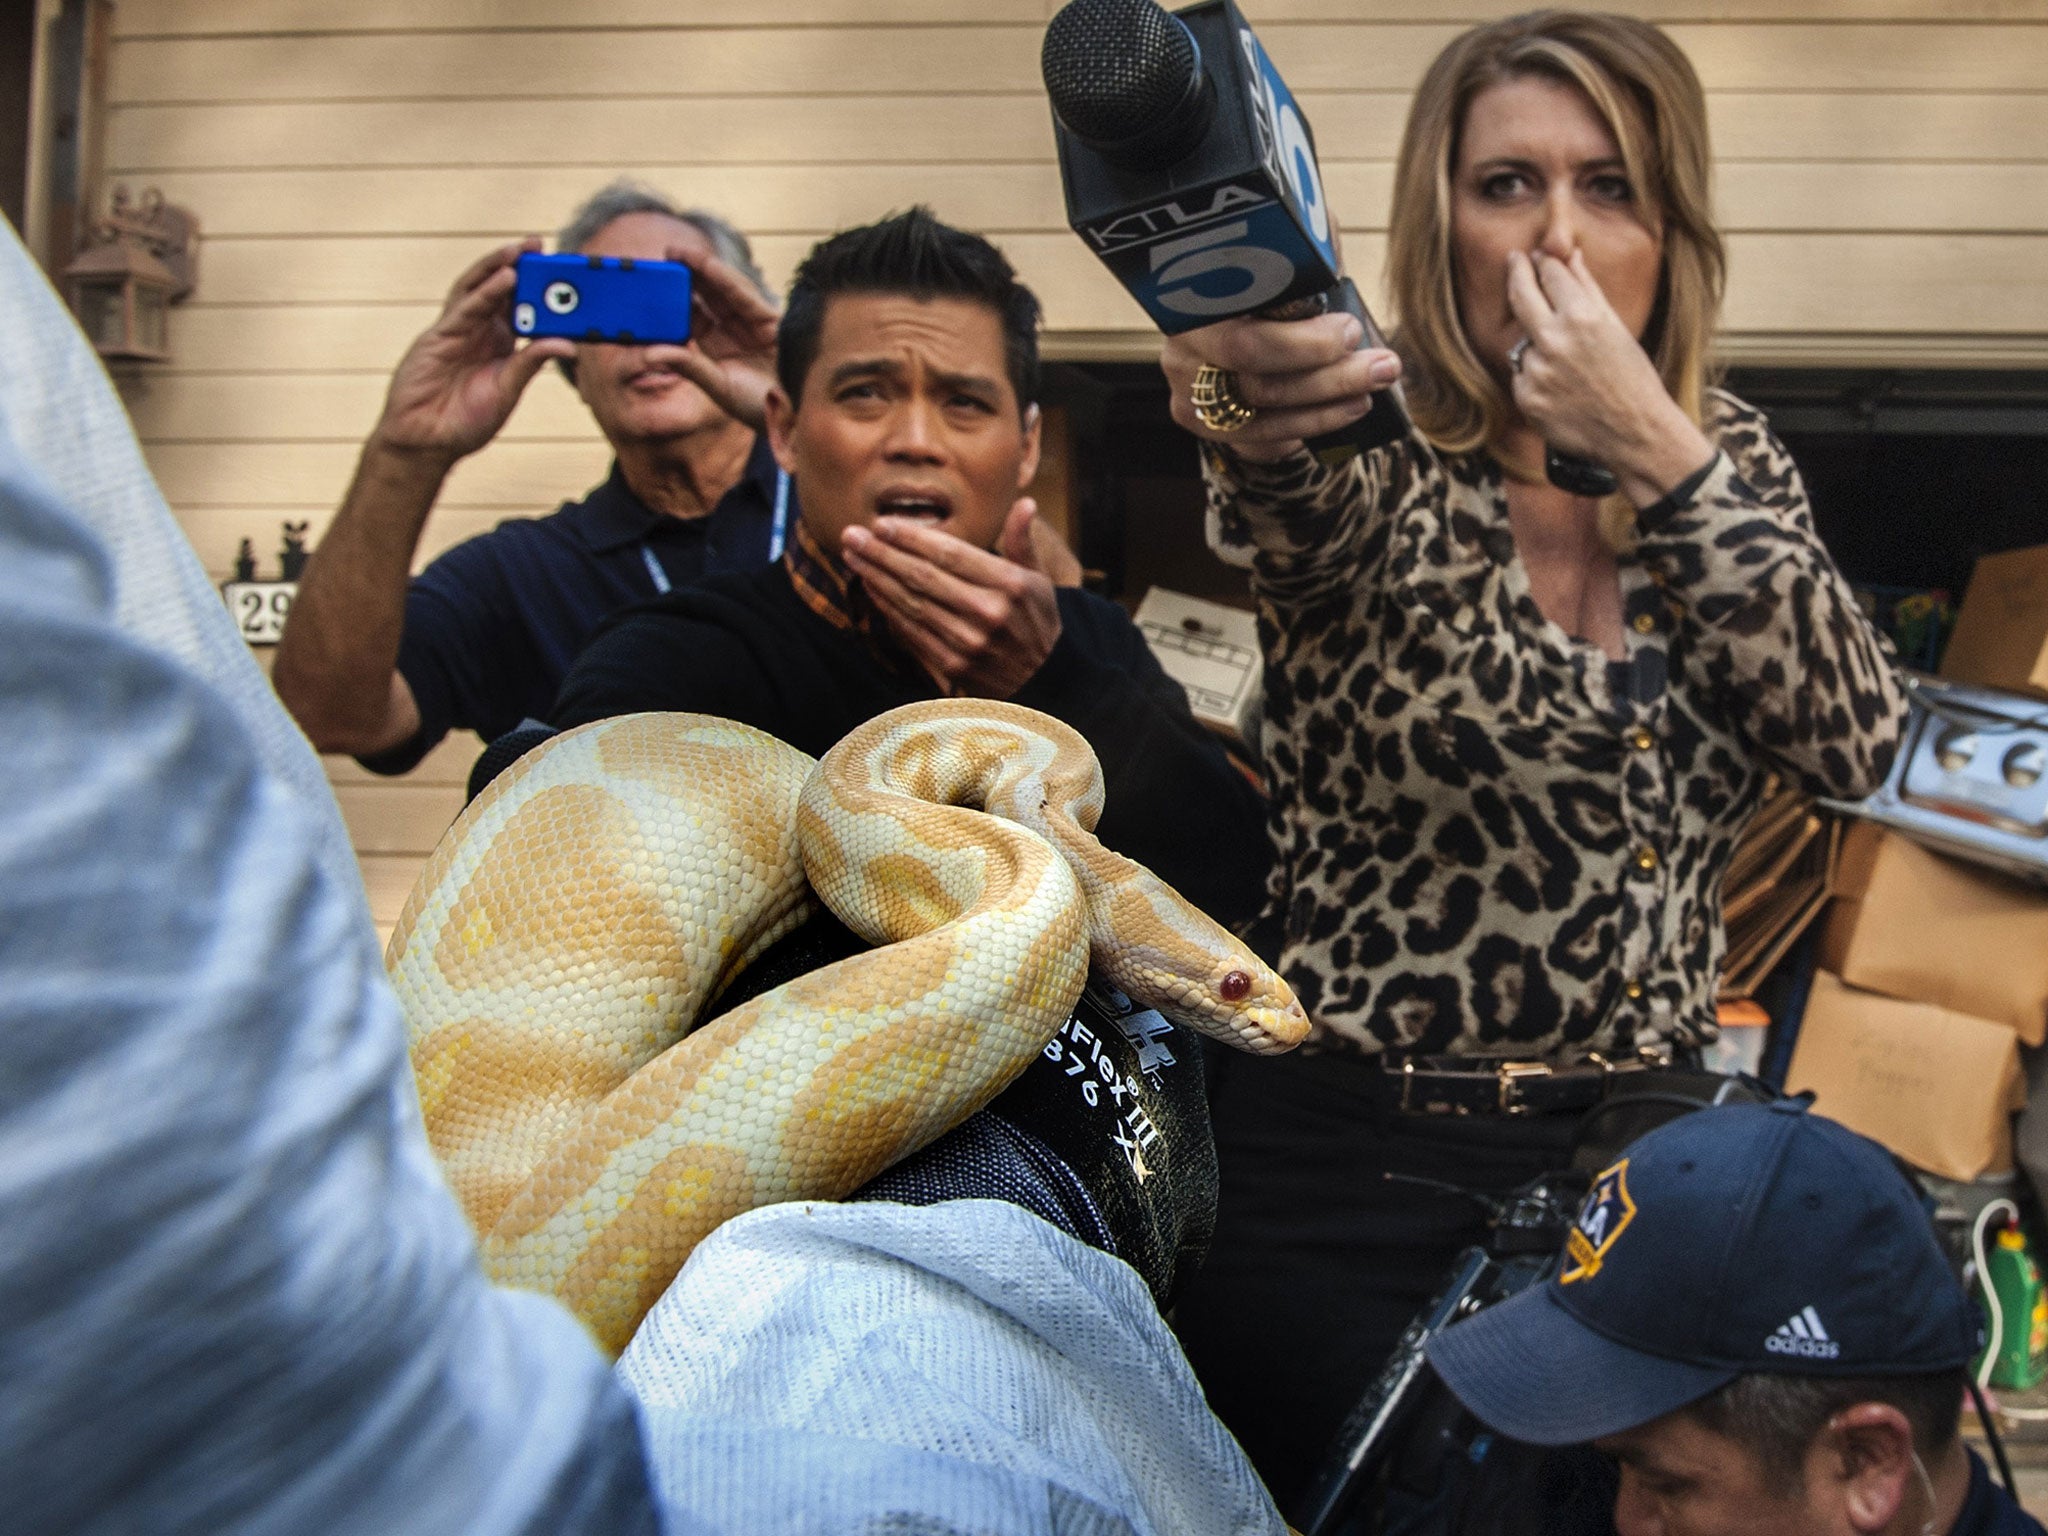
583	910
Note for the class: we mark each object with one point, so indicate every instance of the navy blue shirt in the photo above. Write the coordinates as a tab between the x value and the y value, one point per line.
1989	1510
492	625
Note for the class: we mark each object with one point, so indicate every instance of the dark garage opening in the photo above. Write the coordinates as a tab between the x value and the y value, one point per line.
1913	473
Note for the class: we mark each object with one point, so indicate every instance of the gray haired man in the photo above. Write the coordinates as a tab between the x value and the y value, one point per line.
381	666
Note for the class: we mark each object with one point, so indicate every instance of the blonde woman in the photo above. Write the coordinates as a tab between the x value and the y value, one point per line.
1512	732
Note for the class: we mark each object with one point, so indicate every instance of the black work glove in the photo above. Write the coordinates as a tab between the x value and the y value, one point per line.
1105	1135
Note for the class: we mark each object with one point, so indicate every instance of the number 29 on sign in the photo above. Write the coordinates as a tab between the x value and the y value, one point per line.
259	608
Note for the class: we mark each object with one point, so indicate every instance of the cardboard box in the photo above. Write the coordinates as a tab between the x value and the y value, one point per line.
1918	925
1213	652
1937	1087
2001	635
1777	884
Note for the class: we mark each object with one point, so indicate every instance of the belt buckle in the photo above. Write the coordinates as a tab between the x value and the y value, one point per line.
1511	1075
1647	1058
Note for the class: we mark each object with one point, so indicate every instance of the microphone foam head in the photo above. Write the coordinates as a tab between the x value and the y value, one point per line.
1116	68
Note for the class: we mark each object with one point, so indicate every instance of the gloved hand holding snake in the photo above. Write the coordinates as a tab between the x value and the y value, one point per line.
586	907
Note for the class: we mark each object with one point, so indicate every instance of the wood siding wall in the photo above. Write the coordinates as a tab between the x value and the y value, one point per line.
1883	175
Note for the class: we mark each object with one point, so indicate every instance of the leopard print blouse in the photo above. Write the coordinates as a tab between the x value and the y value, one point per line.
1491	839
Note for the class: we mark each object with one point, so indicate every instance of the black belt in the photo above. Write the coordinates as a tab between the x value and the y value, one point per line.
1483	1085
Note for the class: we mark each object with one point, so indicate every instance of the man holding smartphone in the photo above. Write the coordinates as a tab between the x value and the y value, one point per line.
381	665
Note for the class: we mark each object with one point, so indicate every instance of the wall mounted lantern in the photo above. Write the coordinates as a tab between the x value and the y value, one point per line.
138	261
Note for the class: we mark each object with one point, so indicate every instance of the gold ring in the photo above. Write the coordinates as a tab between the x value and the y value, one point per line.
1214	395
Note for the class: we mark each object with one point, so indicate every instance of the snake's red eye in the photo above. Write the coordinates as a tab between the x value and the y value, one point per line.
1236	987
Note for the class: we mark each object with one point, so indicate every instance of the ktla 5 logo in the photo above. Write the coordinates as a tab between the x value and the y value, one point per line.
1283	138
1222	248
1258	256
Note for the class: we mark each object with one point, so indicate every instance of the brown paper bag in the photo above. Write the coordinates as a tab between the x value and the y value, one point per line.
1916	924
2001	638
1937	1087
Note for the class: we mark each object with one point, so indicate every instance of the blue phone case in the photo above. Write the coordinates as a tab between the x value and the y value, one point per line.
601	298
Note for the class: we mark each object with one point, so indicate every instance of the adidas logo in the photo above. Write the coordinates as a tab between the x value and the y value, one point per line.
1802	1334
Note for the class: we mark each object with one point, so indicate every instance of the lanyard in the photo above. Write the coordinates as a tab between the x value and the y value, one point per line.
778	533
779	529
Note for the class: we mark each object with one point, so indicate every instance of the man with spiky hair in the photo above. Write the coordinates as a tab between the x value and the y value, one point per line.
905	412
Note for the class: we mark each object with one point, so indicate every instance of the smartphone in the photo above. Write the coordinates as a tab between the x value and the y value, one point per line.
601	298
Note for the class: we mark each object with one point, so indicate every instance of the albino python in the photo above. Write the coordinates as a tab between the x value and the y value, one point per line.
600	892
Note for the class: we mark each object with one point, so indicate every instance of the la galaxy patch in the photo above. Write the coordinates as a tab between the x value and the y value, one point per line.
1604	1217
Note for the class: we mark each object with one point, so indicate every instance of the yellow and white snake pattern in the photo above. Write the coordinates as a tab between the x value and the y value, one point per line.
583	910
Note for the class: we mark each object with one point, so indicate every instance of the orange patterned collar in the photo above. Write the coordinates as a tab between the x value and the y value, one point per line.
835	595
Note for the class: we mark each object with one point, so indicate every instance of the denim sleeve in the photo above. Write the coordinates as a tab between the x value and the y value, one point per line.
235	1294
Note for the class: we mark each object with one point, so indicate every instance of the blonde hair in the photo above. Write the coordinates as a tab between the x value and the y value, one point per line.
1644	89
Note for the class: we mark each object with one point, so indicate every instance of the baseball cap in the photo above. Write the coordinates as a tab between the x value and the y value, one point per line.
1743	1238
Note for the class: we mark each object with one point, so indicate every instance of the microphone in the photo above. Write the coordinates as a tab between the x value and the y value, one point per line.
1191	173
1127	80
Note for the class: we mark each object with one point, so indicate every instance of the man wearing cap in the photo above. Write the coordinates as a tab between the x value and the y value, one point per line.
1754	1318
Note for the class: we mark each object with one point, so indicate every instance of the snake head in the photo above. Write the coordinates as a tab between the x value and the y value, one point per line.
1258	1010
1234	997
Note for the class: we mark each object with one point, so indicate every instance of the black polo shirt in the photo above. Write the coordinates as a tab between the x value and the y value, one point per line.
492	625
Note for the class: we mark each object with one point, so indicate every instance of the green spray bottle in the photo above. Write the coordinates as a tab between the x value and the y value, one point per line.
2022	1358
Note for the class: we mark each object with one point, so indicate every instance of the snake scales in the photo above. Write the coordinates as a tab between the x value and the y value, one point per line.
584	909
